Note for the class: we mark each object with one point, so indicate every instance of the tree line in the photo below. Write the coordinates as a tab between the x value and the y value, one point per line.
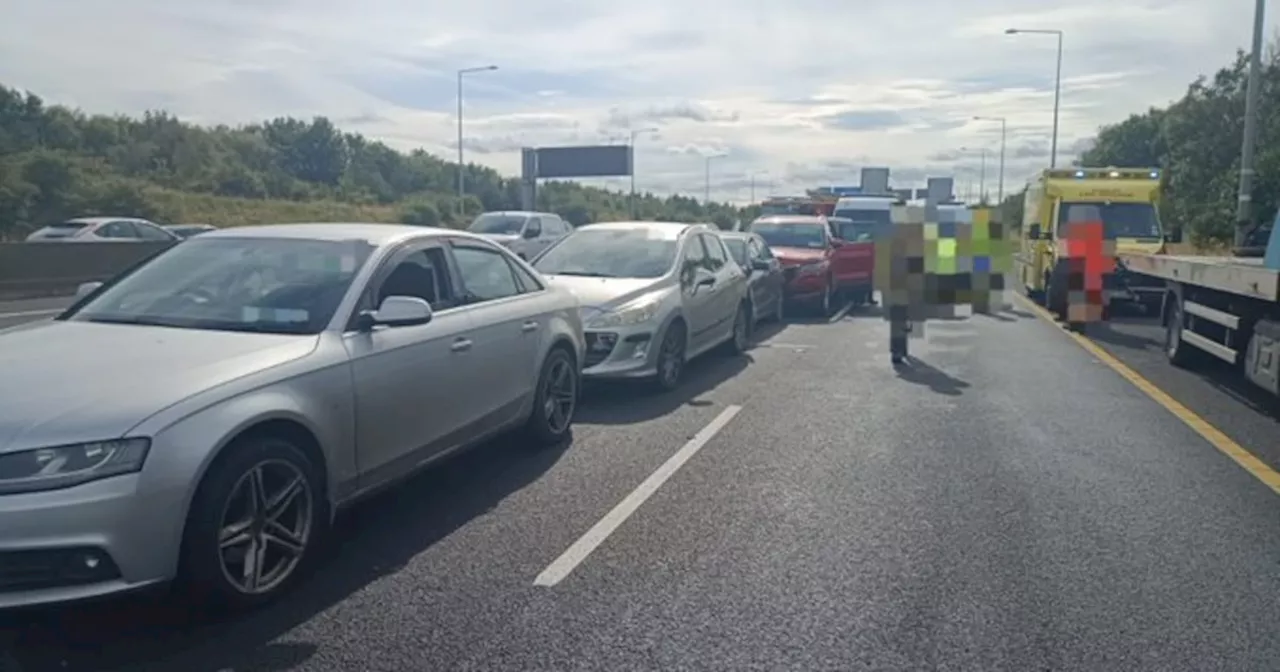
57	163
1195	142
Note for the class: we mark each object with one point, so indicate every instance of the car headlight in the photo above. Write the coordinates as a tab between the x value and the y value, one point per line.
626	316
65	466
813	268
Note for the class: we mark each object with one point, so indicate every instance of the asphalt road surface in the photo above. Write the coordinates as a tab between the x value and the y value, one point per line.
1008	502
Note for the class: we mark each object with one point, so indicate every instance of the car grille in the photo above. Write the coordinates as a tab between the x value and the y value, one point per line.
599	346
52	568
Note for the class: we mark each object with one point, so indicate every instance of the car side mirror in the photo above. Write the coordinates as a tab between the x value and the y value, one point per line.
399	311
1173	237
837	242
86	288
533	232
1033	232
760	264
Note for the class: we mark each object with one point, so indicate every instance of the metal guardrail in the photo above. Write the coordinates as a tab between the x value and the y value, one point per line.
34	270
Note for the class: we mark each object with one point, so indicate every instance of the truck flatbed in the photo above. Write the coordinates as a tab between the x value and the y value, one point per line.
1238	276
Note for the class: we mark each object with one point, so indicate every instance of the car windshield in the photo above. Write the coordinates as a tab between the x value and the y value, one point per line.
738	248
855	224
860	225
612	253
497	223
784	208
1119	220
791	234
264	285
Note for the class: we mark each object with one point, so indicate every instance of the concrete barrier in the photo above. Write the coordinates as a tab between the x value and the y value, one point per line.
33	270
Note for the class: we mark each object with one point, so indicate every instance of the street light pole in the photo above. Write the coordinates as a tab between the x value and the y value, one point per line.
706	198
632	152
1057	87
1004	133
753	183
462	189
1244	198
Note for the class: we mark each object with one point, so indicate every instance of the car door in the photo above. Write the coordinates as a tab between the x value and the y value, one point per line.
697	287
731	283
530	235
506	325
852	257
412	384
768	283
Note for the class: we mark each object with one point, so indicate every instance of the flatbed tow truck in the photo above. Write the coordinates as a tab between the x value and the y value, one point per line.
1225	307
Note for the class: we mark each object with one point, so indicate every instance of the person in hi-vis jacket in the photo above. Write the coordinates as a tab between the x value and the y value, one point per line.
932	261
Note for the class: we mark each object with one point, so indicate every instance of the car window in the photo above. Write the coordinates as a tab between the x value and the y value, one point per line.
486	275
739	248
716	256
695	257
148	231
763	247
525	280
498	223
263	285
640	252
421	274
116	229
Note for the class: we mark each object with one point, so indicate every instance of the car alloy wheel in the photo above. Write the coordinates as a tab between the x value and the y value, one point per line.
560	395
671	357
266	527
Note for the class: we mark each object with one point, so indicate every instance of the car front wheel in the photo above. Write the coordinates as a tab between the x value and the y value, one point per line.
556	399
254	523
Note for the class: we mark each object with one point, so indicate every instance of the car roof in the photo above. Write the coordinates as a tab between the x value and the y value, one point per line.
616	226
99	220
374	234
792	219
518	213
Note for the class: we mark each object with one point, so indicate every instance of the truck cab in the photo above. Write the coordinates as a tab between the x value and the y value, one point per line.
1124	200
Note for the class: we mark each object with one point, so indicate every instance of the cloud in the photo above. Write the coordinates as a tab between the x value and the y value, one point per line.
766	84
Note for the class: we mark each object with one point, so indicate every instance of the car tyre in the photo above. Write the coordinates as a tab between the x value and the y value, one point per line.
255	523
555	400
671	357
740	340
826	303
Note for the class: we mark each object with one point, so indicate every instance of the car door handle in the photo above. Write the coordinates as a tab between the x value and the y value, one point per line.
461	345
529	326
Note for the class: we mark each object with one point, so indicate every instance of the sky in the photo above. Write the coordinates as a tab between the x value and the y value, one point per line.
788	95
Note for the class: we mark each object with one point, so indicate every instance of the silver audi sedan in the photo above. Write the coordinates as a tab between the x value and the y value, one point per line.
202	416
654	295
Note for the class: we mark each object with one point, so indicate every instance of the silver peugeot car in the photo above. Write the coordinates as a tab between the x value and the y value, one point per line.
654	295
203	416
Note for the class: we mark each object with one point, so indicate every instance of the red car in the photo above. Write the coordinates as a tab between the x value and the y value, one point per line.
819	269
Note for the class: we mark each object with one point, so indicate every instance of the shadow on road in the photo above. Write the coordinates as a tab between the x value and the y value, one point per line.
625	403
374	539
1106	332
921	373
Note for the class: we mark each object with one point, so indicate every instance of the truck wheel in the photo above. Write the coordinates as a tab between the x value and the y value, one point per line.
1179	352
1055	299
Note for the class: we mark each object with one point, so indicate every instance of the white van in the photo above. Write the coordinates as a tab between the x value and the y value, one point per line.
868	216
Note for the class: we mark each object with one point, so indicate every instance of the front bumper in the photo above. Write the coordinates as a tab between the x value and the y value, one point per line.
91	540
803	286
622	353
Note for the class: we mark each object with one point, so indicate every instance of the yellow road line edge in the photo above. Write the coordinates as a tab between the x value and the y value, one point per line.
1247	460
